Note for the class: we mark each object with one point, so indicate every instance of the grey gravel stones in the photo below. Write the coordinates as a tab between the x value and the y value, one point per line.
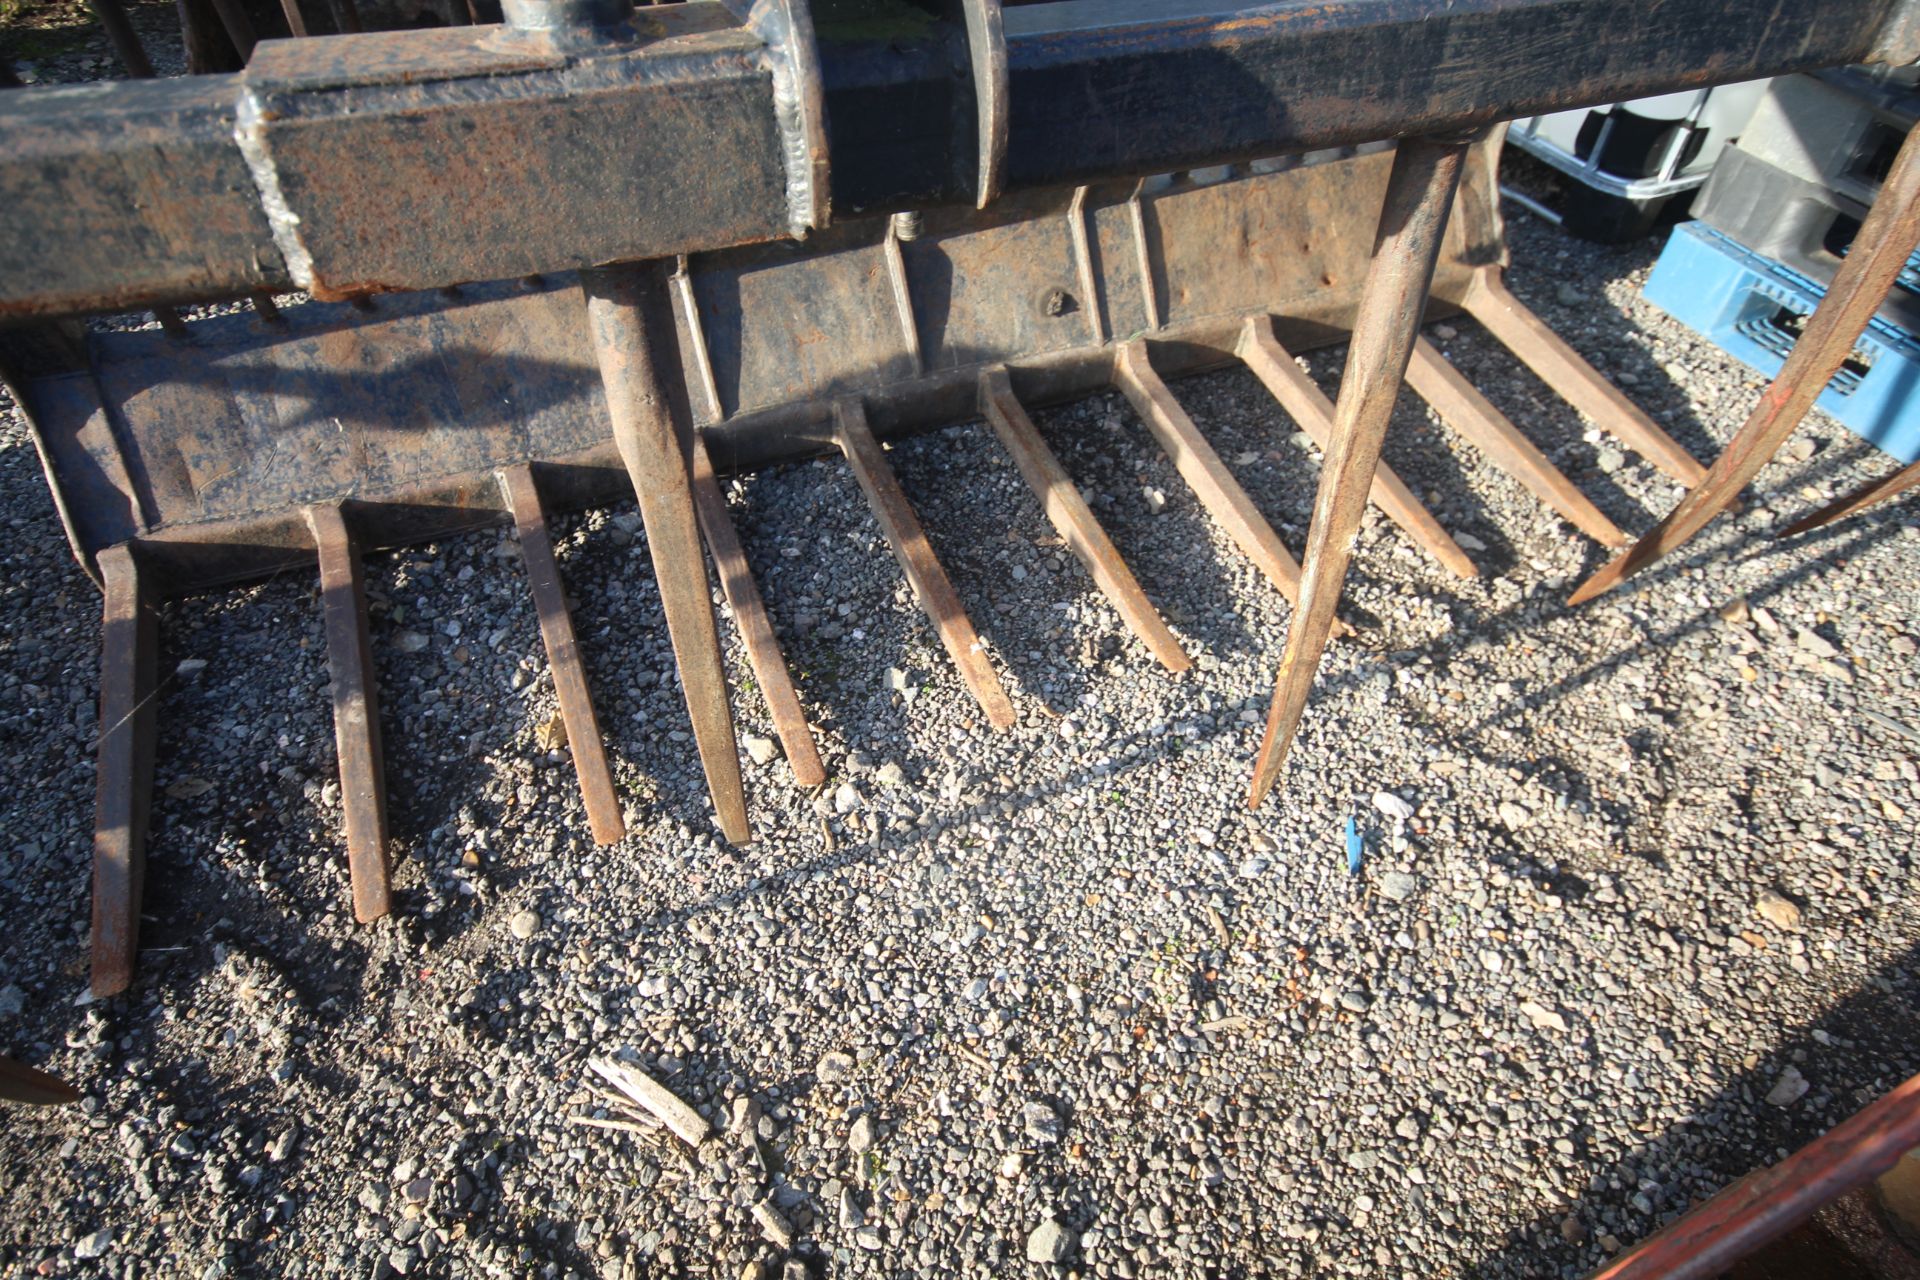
1398	886
1249	1052
861	1137
1051	1242
1788	1089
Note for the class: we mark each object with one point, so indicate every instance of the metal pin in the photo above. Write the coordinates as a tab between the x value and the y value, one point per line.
1069	514
129	648
1880	250
629	311
756	628
584	742
908	541
1462	407
356	711
1307	405
1413	221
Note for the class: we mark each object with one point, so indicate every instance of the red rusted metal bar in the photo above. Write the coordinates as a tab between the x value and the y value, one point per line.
21	1083
1412	221
1203	469
522	494
1545	352
356	711
1879	252
756	628
125	40
1261	351
238	26
1069	514
1859	500
1462	407
1766	1204
296	21
129	647
908	541
629	310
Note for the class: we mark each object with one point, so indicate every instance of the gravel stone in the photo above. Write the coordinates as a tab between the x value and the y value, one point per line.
1052	1242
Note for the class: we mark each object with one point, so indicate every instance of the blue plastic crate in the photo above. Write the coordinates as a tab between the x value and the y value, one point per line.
1751	307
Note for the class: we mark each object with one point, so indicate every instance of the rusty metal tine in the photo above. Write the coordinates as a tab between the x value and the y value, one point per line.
1306	404
629	311
756	628
356	710
1069	514
129	648
1203	470
21	1083
1879	252
929	581
1462	407
1413	221
296	21
589	751
238	26
1545	352
1860	499
125	40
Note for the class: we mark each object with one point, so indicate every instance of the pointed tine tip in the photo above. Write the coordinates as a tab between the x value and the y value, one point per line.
1603	581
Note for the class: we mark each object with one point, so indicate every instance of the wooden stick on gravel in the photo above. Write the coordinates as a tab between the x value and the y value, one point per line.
687	1124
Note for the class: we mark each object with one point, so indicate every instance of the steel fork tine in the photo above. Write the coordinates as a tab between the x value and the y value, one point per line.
1880	250
129	645
1413	219
1868	495
630	314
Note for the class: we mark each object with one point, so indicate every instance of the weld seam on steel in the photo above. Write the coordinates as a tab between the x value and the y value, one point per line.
250	135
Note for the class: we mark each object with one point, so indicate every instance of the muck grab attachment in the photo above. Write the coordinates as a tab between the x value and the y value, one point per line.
592	252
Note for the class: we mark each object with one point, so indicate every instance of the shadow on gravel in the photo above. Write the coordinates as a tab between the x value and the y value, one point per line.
1851	1055
1133	751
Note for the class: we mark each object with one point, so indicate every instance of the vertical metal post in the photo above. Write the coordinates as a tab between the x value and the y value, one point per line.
1413	220
630	314
129	646
1880	250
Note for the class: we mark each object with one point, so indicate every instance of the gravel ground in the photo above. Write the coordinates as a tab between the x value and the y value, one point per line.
1629	925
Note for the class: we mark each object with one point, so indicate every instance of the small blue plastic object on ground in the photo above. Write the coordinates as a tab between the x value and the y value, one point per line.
1752	307
1354	845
